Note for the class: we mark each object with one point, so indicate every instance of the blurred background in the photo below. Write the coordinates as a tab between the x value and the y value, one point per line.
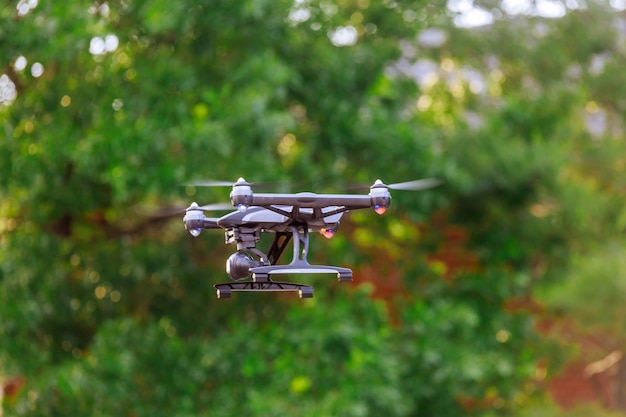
499	293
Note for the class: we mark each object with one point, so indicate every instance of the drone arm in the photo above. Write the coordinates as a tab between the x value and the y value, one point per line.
210	223
312	200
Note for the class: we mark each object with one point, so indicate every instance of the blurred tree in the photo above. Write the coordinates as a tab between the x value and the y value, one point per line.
548	96
108	308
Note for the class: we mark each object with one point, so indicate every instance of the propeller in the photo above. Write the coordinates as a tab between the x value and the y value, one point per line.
177	210
422	184
216	207
209	184
212	183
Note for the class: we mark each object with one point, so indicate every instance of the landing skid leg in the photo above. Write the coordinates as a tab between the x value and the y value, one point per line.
262	273
225	290
299	263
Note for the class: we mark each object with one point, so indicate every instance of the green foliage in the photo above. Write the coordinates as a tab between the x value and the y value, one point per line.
250	367
108	309
597	279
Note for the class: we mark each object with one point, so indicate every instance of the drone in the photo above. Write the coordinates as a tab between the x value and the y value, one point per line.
290	217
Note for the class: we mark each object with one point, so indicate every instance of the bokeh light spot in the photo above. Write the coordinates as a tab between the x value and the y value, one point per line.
94	276
8	92
20	63
100	292
25	6
130	74
117	104
66	100
503	336
36	70
286	143
29	126
424	102
344	36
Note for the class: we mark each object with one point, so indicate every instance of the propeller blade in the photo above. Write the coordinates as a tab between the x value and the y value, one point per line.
178	210
160	212
265	184
422	184
217	207
209	184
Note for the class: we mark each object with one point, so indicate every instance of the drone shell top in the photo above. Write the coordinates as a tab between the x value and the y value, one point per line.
251	216
274	221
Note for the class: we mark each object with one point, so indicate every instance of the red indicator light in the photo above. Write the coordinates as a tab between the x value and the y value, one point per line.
327	233
380	209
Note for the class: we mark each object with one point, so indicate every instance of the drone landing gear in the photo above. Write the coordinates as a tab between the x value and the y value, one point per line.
299	264
261	275
225	290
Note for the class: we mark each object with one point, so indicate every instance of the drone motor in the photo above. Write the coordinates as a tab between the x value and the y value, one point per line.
241	195
194	220
381	199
